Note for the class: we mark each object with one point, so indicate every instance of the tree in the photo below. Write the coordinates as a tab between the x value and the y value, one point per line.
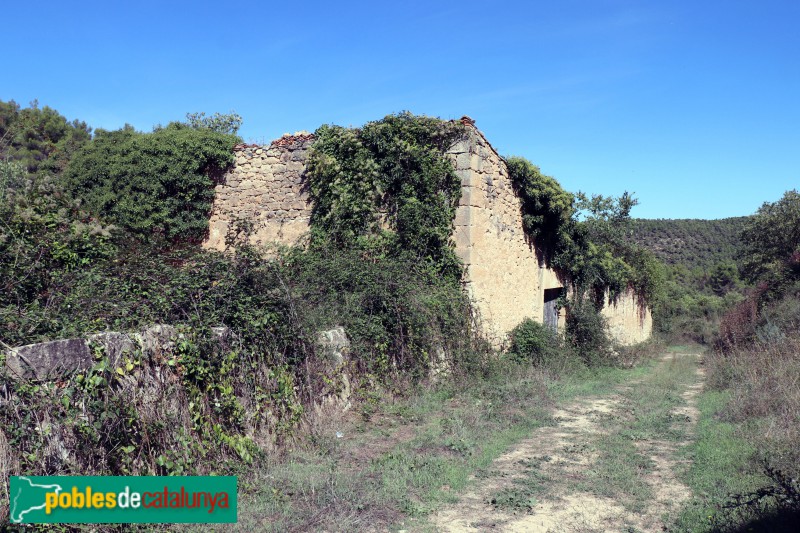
724	277
771	240
228	123
39	138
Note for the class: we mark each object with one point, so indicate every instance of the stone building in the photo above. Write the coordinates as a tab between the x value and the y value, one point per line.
505	278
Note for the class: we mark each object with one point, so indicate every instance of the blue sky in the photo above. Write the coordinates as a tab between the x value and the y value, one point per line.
693	105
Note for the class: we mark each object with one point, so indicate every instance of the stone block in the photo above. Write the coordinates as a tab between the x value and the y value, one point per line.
334	345
115	345
462	216
157	339
463	161
48	360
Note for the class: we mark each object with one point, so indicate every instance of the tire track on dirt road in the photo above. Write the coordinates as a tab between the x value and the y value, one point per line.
546	481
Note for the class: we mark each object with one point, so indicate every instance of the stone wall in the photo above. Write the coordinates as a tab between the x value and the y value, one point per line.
266	188
628	321
504	276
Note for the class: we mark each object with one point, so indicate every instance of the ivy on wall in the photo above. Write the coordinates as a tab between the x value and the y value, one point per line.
394	174
592	253
152	184
391	174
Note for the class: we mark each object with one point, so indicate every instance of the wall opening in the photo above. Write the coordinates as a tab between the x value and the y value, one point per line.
551	297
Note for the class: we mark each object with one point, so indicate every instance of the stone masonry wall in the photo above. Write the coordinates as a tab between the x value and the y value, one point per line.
504	277
628	322
266	188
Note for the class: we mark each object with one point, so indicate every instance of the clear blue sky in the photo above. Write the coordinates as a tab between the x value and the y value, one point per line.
691	104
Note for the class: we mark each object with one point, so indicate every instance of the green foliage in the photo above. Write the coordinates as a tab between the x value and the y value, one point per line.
701	274
44	240
39	138
394	172
724	277
771	240
694	244
228	123
689	309
152	184
598	259
533	342
343	180
547	209
584	238
586	331
204	397
402	319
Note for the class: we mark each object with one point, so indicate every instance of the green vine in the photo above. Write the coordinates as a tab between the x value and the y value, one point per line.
392	174
592	253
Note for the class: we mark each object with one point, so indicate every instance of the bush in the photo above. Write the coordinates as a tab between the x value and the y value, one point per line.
401	315
764	384
45	240
737	328
534	343
152	184
586	331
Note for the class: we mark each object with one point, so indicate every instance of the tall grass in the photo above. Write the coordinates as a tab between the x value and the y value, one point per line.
764	384
757	364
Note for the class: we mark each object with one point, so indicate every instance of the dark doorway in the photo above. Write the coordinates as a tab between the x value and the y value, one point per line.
550	309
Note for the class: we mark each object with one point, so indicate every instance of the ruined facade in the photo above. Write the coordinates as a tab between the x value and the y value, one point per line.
505	278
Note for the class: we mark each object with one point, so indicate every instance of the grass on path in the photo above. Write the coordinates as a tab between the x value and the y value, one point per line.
411	456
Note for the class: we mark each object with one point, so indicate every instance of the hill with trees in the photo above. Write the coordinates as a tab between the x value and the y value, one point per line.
694	243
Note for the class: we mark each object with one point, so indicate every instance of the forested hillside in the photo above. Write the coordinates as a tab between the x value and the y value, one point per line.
693	243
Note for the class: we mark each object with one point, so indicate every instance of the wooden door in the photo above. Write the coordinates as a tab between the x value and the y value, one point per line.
550	308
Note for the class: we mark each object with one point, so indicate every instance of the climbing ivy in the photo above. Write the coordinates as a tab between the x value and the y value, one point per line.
391	174
584	238
547	209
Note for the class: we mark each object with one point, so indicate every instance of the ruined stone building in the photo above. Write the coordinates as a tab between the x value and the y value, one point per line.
504	277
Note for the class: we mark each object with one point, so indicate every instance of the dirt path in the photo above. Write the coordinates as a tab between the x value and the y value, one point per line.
549	482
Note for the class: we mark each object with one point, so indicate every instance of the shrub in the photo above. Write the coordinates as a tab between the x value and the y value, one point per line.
44	241
152	184
586	331
400	314
738	325
533	342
